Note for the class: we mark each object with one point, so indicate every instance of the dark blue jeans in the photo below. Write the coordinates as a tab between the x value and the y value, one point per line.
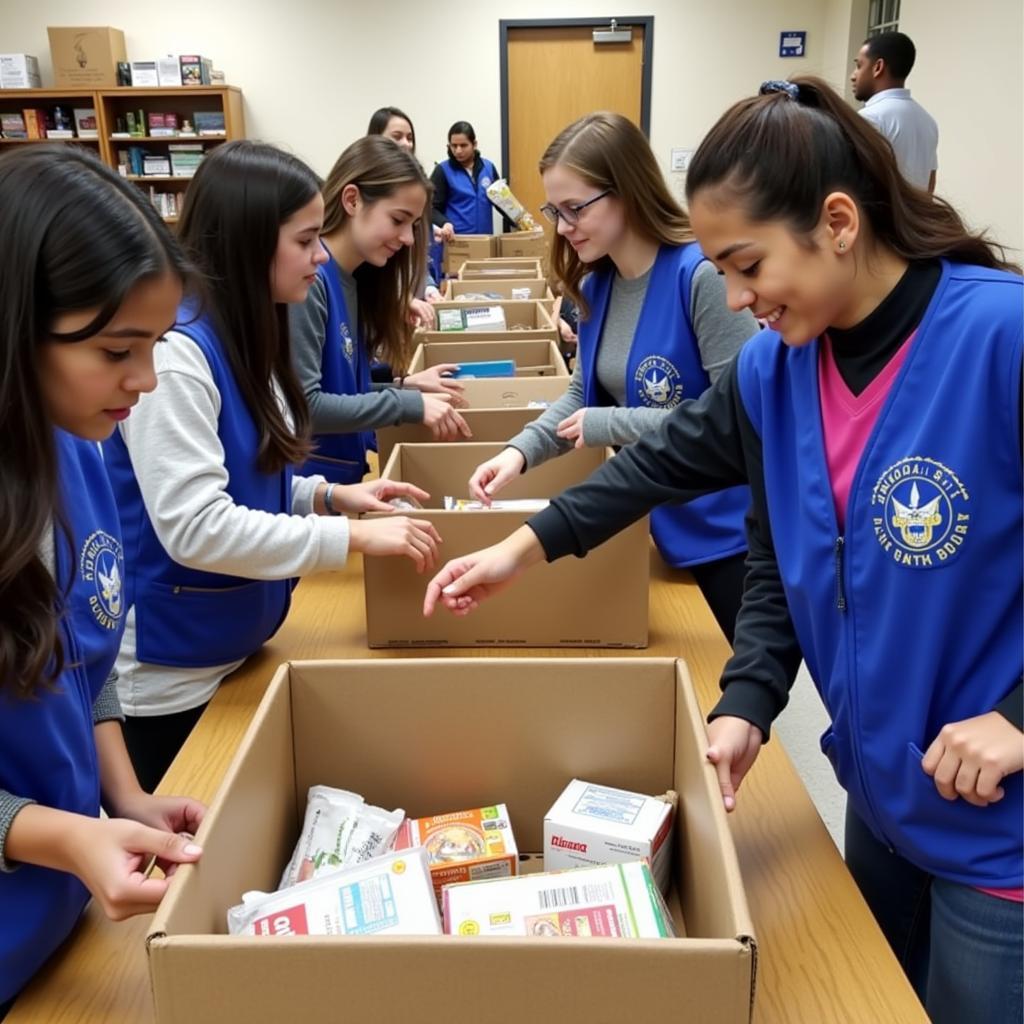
962	950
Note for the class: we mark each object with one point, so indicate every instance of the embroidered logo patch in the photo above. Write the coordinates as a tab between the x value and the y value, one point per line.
102	565
920	512
659	383
348	346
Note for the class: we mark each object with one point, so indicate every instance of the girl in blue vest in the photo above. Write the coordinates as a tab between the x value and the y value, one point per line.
216	524
878	421
654	331
461	206
80	312
374	235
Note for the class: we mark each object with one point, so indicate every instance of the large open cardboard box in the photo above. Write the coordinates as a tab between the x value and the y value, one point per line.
532	358
529	244
86	56
456	290
501	268
468	247
486	424
433	735
525	319
597	601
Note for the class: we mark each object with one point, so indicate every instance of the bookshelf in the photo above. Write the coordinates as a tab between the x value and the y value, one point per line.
112	107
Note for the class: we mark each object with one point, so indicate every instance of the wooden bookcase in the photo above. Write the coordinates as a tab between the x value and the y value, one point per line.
114	104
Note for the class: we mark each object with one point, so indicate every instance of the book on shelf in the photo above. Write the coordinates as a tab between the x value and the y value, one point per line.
12	126
209	122
154	165
59	133
185	158
35	123
85	123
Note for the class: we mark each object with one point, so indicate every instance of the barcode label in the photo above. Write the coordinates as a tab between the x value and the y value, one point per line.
552	898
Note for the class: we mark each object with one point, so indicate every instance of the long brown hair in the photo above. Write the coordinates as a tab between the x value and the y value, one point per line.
779	155
608	151
76	237
234	208
378	168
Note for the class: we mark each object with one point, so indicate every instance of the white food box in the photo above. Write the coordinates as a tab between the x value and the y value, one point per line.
590	824
479	318
609	901
19	71
392	895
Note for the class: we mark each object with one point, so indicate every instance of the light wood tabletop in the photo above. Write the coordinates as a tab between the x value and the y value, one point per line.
822	957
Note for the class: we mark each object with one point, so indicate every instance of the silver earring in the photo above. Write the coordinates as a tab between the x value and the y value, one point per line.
842	245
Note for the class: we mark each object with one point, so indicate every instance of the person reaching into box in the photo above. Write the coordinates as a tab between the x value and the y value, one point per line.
877	420
654	331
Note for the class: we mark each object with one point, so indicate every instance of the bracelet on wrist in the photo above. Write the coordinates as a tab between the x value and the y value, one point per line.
329	500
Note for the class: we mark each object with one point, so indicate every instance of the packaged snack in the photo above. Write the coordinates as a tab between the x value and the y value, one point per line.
609	901
464	845
498	505
472	318
388	895
501	196
325	843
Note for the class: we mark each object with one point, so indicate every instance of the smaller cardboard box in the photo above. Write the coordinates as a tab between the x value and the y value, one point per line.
86	57
525	320
509	289
424	733
499	269
468	247
552	606
531	358
487	424
19	71
463	846
529	244
590	824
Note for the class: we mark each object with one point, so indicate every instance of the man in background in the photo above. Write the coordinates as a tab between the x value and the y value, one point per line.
879	73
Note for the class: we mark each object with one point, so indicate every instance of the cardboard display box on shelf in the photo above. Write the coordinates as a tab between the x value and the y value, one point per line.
500	291
552	606
468	247
520	728
500	268
86	57
525	320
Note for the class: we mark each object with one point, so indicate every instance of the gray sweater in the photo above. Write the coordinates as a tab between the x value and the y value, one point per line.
719	331
341	414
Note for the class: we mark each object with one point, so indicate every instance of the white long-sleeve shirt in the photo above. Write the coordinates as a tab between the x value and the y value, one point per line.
178	461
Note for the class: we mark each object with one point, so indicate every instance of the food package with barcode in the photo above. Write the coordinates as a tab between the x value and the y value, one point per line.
610	901
497	505
501	196
340	830
590	824
388	895
463	846
472	318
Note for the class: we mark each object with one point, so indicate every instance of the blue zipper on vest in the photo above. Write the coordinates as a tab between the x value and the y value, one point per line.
840	593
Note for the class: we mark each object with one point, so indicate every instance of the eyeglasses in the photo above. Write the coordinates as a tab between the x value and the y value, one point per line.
570	214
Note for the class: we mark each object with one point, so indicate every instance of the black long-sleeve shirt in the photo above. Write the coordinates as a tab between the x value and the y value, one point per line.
439	209
710	444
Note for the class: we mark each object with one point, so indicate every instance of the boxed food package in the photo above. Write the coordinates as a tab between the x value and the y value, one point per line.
463	846
618	901
590	824
518	727
551	606
388	895
500	268
471	318
19	71
468	247
86	57
525	320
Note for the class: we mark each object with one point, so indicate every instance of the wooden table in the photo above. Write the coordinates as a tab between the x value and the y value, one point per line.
822	957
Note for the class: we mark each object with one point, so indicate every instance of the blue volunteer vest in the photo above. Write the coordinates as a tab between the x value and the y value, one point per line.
345	370
911	619
47	748
663	369
469	210
189	617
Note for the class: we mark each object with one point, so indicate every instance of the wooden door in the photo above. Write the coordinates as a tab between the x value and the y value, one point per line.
556	74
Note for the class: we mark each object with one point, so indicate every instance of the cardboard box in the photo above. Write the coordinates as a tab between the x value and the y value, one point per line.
468	247
551	606
463	846
510	290
530	244
86	57
520	729
590	824
19	71
487	424
531	358
526	320
499	269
